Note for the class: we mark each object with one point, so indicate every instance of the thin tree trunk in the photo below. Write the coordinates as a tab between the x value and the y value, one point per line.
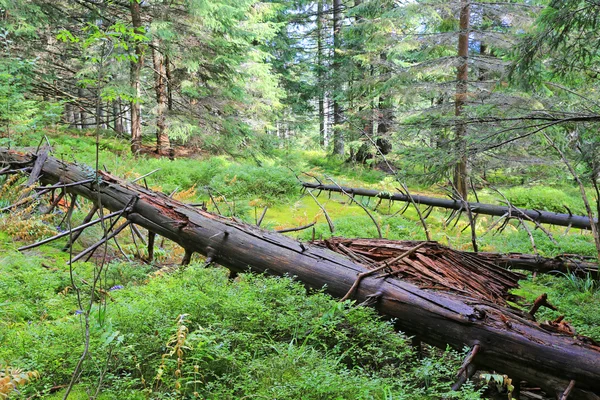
82	115
136	69
100	120
460	168
169	82
386	113
69	115
542	217
338	134
322	128
117	115
160	86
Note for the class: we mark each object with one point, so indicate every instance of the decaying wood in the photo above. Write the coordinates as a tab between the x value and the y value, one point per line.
520	348
542	217
430	265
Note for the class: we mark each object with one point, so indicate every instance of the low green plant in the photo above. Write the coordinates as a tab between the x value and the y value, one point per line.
544	198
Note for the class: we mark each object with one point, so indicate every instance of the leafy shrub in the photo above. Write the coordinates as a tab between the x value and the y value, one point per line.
544	198
252	336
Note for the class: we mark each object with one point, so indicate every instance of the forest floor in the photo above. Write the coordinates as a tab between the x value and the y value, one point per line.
166	332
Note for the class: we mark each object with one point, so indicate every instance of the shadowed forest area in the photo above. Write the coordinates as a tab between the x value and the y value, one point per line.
308	199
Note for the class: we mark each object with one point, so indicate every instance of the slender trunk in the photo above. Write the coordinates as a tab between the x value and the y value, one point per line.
69	115
386	114
322	128
82	116
365	113
338	134
136	69
542	217
460	169
100	113
117	115
169	82
160	86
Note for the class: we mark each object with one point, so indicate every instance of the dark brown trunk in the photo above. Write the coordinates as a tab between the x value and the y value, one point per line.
460	169
321	89
136	70
338	133
386	114
160	86
507	341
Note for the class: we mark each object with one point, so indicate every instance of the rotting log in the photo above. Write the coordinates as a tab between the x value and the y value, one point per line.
520	348
542	217
379	249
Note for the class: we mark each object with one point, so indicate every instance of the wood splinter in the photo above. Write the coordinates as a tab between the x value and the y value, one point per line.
469	372
568	390
542	300
468	360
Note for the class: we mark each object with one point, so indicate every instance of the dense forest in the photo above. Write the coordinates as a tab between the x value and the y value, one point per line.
299	199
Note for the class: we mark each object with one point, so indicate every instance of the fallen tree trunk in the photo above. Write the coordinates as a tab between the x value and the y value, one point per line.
505	339
565	264
380	249
542	217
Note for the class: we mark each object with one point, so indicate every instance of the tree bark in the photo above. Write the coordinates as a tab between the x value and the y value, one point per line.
136	70
508	341
460	169
321	89
82	114
338	134
160	86
169	82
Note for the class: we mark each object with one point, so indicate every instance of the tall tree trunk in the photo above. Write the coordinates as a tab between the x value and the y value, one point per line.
322	127
386	113
460	168
136	69
338	134
69	115
100	120
160	86
169	82
365	113
82	116
117	115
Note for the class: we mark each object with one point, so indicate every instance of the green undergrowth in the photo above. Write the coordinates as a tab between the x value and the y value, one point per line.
255	336
576	298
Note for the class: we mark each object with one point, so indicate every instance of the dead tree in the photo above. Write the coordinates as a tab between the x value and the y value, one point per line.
541	217
506	340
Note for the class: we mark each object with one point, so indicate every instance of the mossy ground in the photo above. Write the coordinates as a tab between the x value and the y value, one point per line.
256	336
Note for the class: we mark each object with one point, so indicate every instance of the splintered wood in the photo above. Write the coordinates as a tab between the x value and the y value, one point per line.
431	266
